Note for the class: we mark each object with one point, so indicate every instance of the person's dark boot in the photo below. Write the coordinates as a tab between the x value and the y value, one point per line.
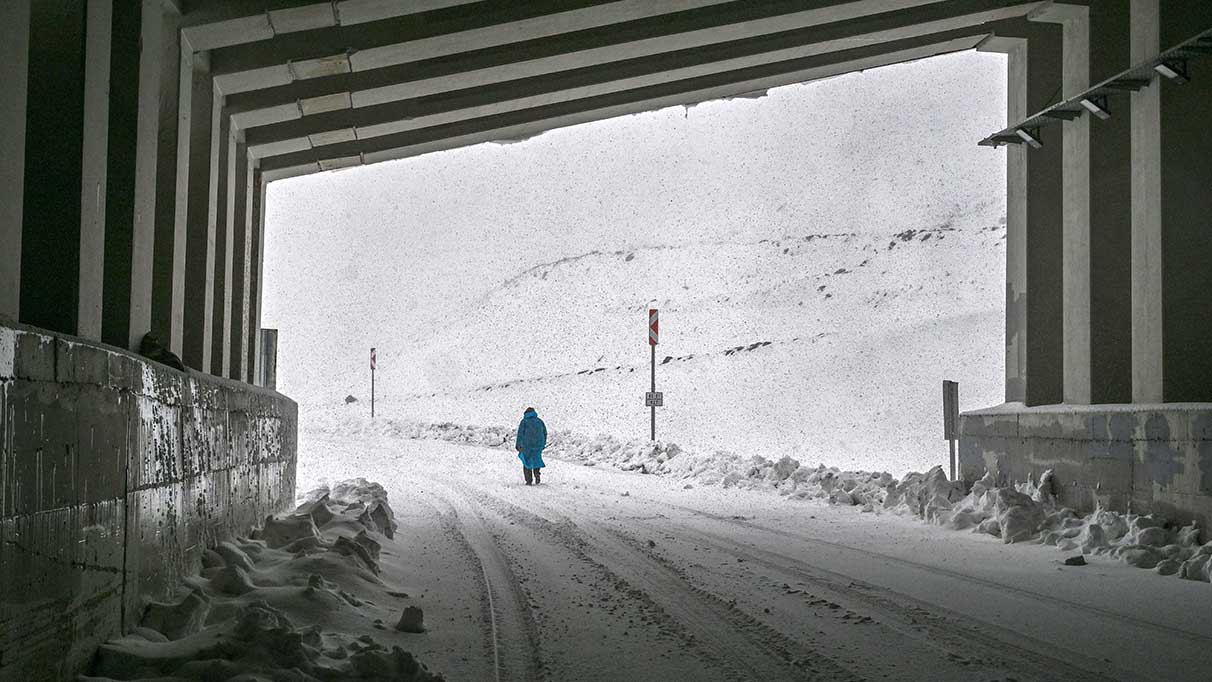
526	473
538	476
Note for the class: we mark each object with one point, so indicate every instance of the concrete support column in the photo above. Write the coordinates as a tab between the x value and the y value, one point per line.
1110	214
130	168
51	204
14	63
144	81
237	312
168	243
256	285
222	170
1147	350
1171	215
192	220
1075	189
1034	217
94	168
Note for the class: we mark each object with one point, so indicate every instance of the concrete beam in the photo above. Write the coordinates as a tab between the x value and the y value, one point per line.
536	121
14	63
377	44
251	22
568	54
836	41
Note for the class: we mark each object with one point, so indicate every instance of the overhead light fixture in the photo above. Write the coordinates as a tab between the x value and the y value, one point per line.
1029	136
1062	114
1096	106
1174	69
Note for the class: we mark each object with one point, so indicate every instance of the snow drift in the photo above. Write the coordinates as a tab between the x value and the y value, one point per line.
299	601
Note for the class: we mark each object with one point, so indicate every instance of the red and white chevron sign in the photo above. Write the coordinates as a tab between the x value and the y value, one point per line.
652	327
373	361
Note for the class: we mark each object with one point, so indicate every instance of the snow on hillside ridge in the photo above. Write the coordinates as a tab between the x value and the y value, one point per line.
1027	511
830	346
876	241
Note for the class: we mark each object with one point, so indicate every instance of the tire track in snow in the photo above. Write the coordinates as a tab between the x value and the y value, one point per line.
1170	631
762	653
959	633
512	634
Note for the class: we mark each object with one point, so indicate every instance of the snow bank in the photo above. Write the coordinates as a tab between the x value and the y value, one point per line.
297	601
1027	512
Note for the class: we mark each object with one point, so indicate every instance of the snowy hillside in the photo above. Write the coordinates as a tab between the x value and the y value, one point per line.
815	287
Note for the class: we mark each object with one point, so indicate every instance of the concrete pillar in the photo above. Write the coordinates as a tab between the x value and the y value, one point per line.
94	168
51	205
1075	189
168	244
1171	209
14	62
130	169
1146	214
256	285
238	309
132	280
1110	214
1186	213
222	169
192	219
1034	217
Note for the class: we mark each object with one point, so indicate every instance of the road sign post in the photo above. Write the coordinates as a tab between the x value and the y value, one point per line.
373	363
951	419
652	342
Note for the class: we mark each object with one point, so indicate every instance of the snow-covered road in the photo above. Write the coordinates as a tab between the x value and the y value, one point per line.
604	575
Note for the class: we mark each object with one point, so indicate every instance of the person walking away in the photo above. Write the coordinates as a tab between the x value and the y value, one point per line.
532	438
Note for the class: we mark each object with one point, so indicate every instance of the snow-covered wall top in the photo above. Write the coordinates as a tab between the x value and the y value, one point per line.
822	258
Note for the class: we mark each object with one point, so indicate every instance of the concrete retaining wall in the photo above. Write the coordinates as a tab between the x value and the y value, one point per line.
115	472
1147	458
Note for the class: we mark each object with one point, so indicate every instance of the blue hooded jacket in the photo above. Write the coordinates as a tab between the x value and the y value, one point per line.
532	438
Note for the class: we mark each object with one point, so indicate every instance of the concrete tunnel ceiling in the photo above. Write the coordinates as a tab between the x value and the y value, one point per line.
313	86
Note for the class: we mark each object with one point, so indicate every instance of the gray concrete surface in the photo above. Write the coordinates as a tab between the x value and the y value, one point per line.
115	473
1139	458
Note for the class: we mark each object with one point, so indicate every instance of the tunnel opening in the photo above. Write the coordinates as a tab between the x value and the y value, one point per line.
822	256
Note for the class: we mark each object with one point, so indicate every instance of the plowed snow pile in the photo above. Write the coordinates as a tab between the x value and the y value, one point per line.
1016	513
300	601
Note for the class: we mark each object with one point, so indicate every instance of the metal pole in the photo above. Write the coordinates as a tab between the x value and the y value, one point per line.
653	408
372	391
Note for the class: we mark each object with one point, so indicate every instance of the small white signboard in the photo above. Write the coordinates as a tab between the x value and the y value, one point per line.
654	399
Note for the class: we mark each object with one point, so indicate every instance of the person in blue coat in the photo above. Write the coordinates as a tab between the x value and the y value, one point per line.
532	438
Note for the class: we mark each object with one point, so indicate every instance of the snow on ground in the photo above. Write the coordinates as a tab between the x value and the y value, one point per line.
708	582
312	596
1015	511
